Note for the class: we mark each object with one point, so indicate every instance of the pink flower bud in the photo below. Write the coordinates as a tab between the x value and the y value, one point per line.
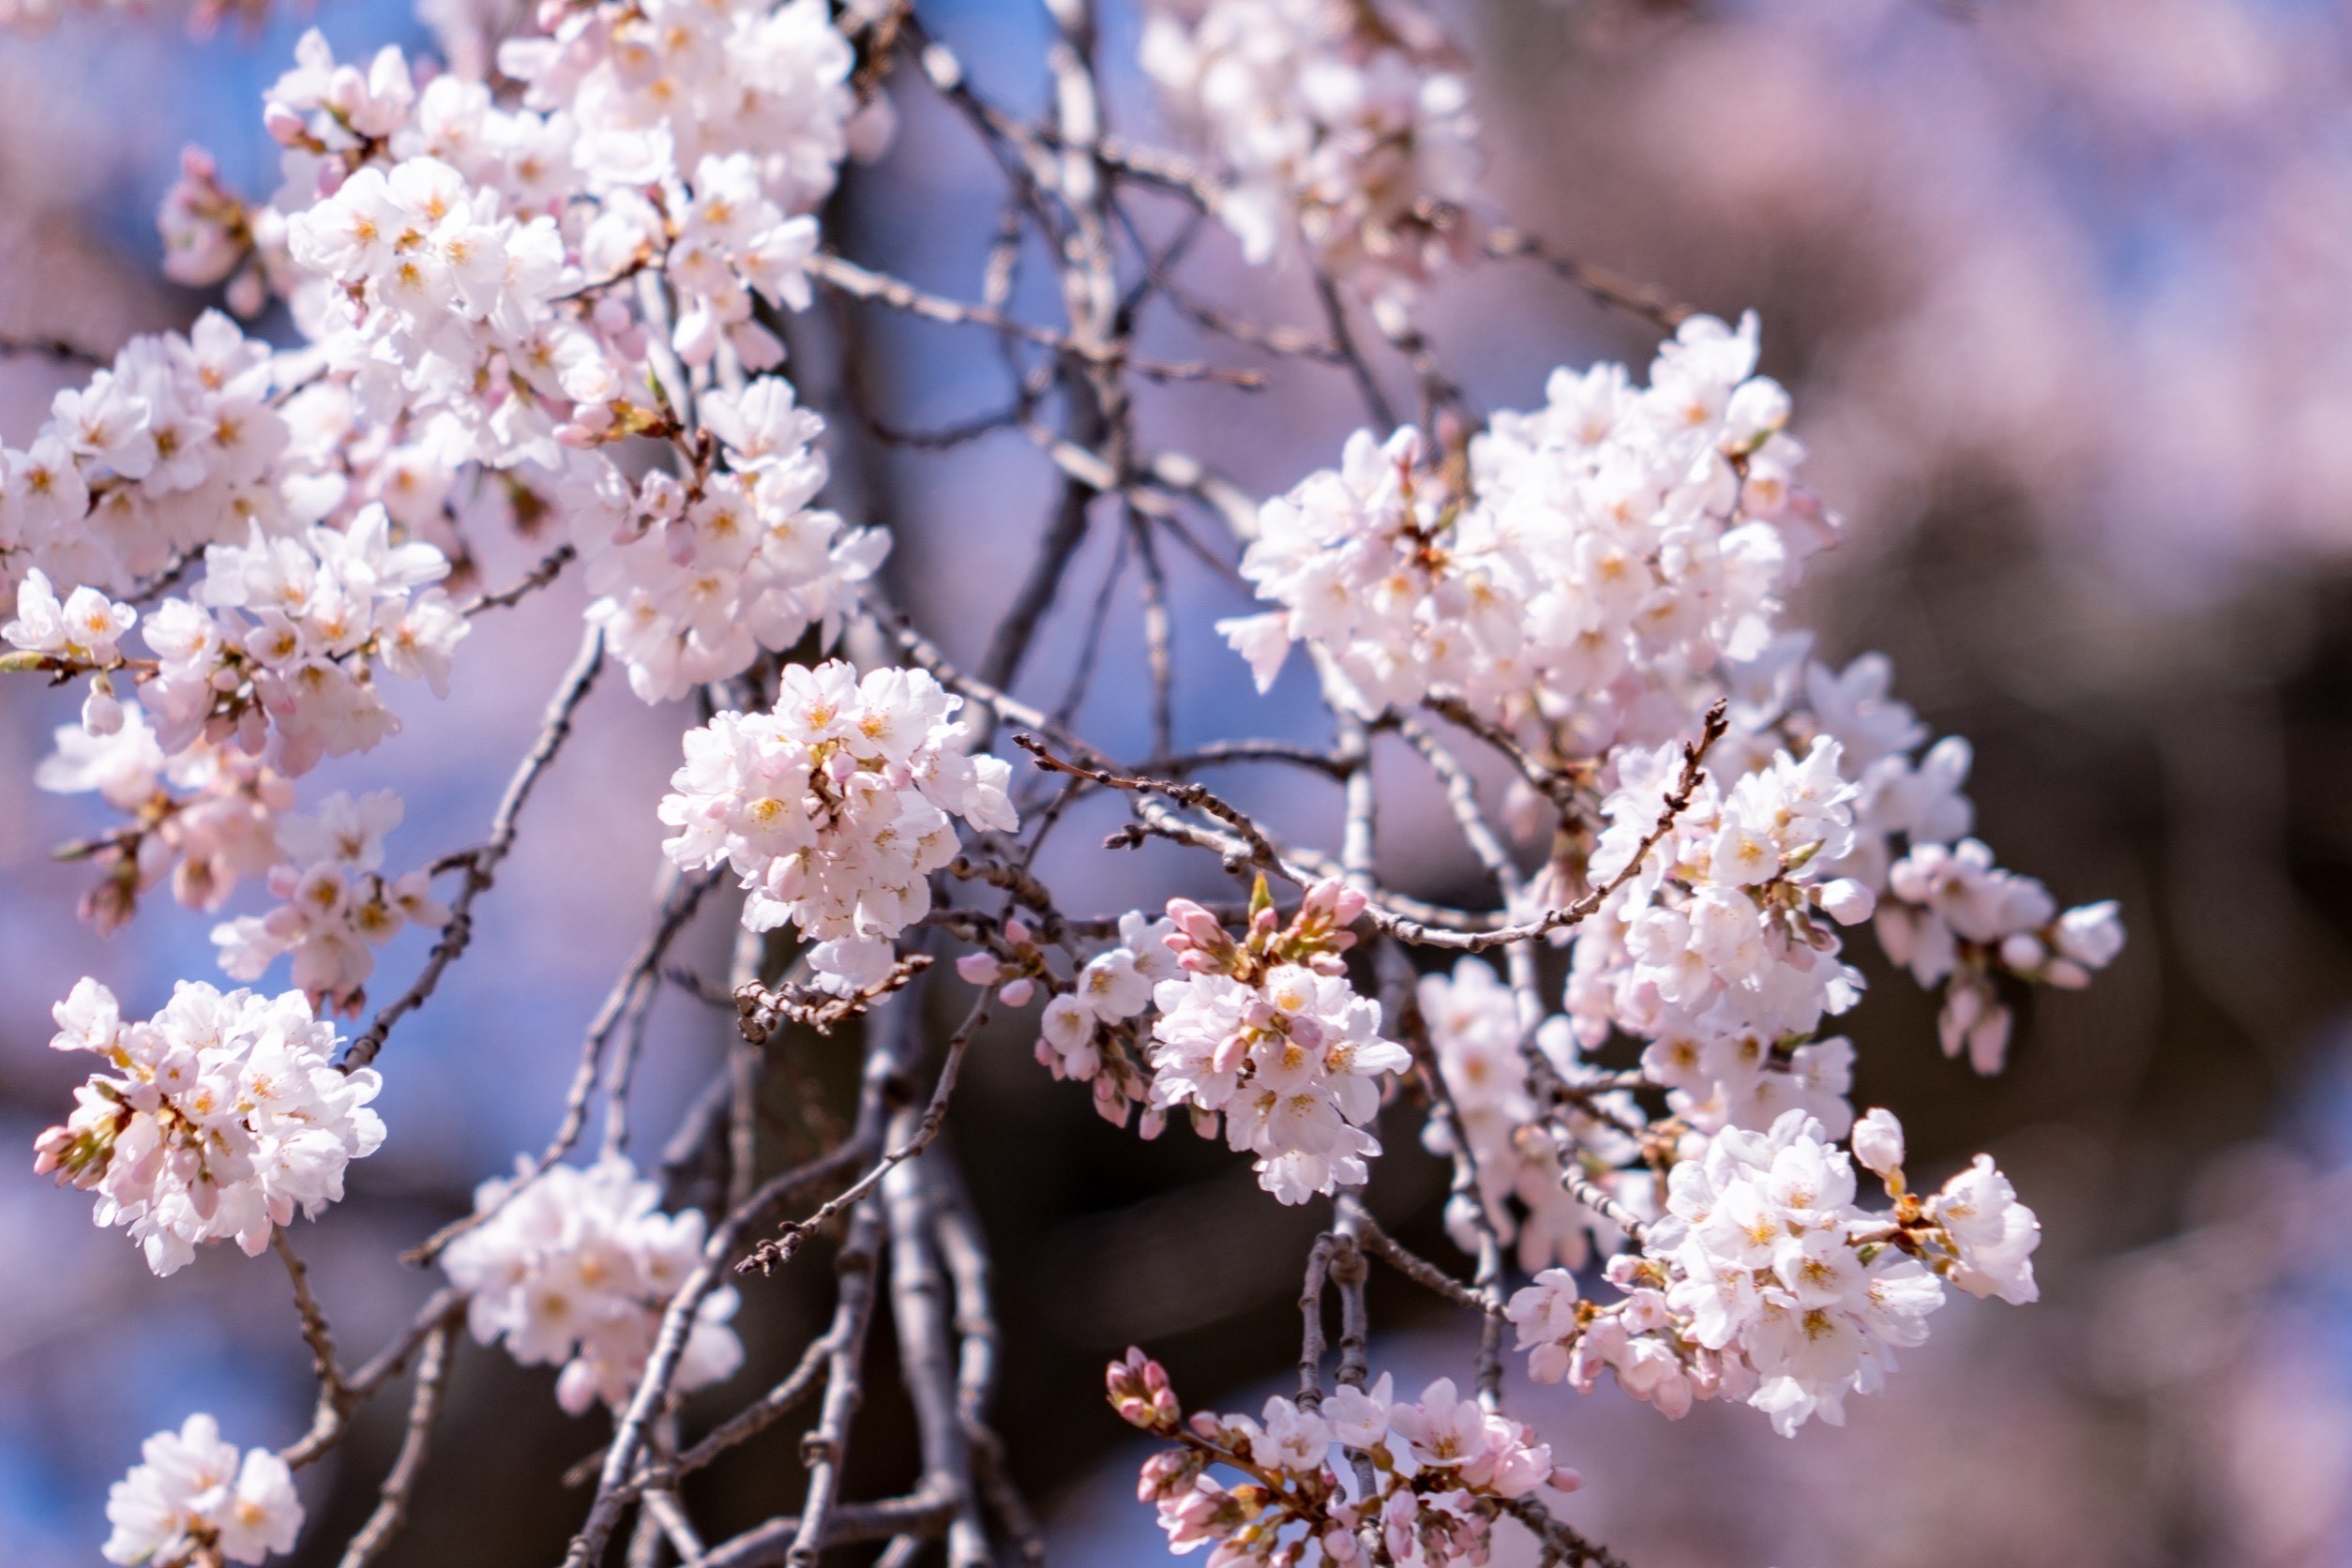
1017	993
978	968
1016	932
284	126
2066	974
1230	1053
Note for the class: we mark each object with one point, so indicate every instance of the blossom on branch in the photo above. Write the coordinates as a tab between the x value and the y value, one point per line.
834	808
193	1499
220	1117
573	1267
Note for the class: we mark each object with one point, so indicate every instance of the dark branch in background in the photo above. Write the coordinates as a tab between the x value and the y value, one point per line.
63	349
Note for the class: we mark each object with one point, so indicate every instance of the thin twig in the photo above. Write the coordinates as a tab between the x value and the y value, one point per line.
481	866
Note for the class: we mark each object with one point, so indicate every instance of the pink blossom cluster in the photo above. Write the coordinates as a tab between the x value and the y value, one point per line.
1266	1035
835	807
218	829
1337	123
178	443
1602	557
216	1119
1096	1025
336	904
1764	1281
572	1268
683	80
694	578
283	638
1434	1473
1474	1029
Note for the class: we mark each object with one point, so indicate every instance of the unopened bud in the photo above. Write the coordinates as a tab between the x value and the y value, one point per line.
1847	902
1878	1144
284	126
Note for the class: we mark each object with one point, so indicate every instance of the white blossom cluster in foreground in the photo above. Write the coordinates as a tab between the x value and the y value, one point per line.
215	1119
538	295
836	808
192	1494
1764	1281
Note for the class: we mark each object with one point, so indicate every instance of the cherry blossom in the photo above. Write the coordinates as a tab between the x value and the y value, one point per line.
834	808
193	1497
573	1267
1431	1476
220	1117
1267	1036
336	904
1339	124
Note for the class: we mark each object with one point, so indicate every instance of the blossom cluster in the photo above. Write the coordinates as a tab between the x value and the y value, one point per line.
1764	1281
574	1267
687	81
1441	1471
218	829
1095	1026
177	442
834	808
1475	1034
1266	1034
1591	561
219	1118
1348	125
1720	950
693	579
288	632
336	904
194	1498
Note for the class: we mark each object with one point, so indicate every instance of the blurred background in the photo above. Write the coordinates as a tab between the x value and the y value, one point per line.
2064	294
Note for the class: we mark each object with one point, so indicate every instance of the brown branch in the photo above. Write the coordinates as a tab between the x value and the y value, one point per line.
391	1511
1560	1542
880	289
776	1542
481	864
760	1010
1650	304
772	1254
824	1448
1381	1244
